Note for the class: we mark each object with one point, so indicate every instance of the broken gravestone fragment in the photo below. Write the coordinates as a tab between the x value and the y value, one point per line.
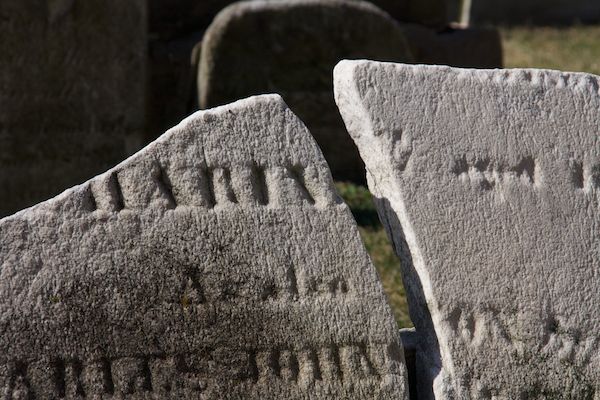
488	183
291	47
216	263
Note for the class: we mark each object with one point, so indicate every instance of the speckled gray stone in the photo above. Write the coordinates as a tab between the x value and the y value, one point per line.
216	263
488	181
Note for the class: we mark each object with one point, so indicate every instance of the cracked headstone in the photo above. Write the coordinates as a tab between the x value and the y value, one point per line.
291	47
488	182
216	263
71	93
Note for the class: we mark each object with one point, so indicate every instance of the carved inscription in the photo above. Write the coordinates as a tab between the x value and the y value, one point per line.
213	188
194	373
247	286
487	174
574	348
557	339
475	328
585	176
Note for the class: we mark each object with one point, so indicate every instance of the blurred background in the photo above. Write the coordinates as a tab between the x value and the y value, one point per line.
85	83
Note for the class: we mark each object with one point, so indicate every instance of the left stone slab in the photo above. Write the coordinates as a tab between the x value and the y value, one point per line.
216	263
72	85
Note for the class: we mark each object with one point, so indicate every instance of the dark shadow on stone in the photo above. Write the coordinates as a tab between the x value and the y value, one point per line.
366	217
427	345
409	339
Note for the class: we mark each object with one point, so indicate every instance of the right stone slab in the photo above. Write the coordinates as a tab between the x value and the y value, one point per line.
488	183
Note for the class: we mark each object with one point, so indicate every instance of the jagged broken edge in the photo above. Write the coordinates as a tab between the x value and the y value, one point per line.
81	191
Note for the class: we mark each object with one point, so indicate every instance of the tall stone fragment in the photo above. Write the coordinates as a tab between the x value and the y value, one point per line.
291	47
487	182
216	263
71	92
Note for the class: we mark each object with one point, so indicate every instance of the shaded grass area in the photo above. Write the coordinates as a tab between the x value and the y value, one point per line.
379	247
569	49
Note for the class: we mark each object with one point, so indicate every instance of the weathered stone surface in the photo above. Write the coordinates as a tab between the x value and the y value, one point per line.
71	89
291	48
216	263
488	183
468	47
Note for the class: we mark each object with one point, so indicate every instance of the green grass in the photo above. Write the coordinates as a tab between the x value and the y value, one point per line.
379	247
574	48
568	49
388	266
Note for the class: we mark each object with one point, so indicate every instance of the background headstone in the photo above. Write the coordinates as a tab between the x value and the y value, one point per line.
544	12
171	91
177	27
71	92
217	263
488	183
456	47
291	47
170	19
430	13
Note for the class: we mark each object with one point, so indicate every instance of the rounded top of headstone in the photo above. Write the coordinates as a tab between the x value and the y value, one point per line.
291	46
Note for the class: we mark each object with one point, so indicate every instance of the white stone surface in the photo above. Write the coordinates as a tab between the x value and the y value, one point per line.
216	263
488	182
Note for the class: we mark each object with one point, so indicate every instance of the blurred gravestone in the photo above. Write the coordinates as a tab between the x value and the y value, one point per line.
291	48
543	12
430	13
489	184
171	93
71	92
175	26
217	263
457	47
171	19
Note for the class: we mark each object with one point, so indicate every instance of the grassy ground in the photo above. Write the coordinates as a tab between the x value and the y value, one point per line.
568	49
378	245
